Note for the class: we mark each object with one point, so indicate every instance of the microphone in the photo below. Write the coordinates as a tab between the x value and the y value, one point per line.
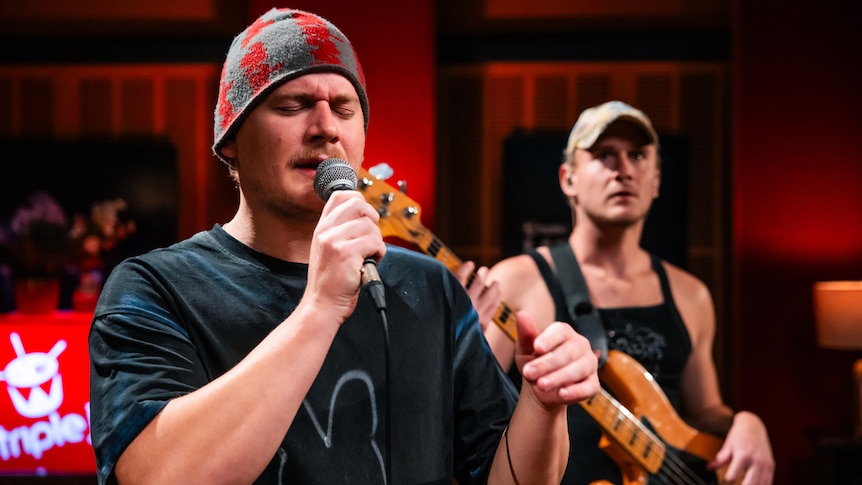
336	174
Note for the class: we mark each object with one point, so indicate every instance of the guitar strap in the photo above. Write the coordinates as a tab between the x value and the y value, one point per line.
585	317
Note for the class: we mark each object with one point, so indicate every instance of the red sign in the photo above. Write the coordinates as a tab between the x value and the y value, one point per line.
45	394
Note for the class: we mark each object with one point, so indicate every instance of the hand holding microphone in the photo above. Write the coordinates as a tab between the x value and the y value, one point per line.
336	174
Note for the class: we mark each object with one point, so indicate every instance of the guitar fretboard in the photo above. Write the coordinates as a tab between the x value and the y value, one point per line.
504	317
628	432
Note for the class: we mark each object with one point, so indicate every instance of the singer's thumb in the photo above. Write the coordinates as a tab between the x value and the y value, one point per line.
526	333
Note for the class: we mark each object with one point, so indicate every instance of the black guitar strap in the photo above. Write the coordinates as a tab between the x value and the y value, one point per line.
585	317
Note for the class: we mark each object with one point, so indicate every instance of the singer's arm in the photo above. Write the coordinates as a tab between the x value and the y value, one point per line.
221	433
558	369
228	429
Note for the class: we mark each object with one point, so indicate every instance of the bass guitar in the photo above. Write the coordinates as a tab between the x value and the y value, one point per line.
644	436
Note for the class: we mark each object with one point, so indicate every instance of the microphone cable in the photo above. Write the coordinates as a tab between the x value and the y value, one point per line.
336	174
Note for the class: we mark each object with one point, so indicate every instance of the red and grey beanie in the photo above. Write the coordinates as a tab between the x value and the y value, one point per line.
280	45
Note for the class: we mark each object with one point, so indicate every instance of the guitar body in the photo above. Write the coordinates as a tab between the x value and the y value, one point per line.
636	389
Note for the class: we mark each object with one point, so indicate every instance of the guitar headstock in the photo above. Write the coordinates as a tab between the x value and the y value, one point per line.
399	214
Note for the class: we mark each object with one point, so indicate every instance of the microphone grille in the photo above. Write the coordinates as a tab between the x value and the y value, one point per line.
333	174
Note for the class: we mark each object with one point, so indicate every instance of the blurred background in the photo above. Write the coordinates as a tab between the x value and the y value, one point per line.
758	104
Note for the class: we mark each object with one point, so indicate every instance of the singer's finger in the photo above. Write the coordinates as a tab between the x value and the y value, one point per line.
349	204
526	334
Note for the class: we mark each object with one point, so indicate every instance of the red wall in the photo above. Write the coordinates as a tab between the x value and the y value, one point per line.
394	40
797	214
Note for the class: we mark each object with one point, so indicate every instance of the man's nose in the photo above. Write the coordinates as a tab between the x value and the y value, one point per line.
624	165
322	122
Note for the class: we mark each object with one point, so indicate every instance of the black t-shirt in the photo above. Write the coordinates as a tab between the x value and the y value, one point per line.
170	321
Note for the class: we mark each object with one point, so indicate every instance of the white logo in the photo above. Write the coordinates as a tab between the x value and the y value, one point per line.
29	372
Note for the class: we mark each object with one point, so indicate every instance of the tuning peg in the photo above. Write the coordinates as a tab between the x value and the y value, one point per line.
381	171
402	186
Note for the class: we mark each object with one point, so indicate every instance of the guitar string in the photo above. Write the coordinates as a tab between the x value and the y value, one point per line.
679	472
631	427
675	470
447	258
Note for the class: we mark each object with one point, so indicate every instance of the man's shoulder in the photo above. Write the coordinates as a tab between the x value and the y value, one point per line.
518	266
685	283
402	257
176	253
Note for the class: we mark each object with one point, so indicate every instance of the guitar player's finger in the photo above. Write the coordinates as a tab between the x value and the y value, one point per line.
735	472
722	458
463	273
488	303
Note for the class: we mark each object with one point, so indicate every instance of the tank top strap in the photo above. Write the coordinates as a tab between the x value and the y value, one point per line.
658	267
553	285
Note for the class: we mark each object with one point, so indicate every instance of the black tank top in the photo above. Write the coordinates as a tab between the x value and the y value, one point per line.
654	335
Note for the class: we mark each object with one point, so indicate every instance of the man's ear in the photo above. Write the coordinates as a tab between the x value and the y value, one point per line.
567	180
656	184
228	150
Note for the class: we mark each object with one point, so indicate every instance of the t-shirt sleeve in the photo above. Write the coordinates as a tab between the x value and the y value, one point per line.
485	398
140	358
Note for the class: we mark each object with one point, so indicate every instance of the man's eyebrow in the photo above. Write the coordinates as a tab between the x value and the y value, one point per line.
288	96
345	98
302	96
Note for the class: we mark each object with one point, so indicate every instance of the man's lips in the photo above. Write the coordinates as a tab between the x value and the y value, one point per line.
622	194
311	164
308	165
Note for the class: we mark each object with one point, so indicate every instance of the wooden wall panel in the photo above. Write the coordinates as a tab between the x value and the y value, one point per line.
591	90
552	95
5	107
655	93
96	106
504	113
37	107
137	105
117	101
180	123
460	114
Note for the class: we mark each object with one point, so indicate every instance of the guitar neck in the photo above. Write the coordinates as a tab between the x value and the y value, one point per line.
619	424
430	244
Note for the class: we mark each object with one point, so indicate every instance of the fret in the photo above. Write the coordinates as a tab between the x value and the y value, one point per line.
626	430
504	317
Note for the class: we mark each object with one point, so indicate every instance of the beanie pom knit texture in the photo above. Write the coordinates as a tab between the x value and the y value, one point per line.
280	45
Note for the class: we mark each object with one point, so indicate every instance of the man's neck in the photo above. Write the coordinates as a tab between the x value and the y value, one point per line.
612	248
273	237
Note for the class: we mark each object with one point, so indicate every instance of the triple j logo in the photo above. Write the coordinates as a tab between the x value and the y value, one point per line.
35	387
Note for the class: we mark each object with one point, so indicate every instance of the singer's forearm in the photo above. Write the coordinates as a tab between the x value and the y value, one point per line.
535	447
228	430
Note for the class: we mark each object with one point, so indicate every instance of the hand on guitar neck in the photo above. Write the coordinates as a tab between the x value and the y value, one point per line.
486	298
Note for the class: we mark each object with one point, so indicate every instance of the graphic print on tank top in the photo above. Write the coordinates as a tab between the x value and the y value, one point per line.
642	343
